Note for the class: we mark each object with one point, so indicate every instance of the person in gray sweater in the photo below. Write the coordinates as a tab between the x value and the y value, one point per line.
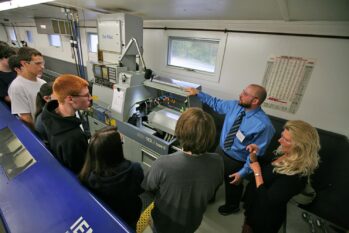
185	181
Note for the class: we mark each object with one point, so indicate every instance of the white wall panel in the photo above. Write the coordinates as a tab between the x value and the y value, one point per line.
325	101
3	35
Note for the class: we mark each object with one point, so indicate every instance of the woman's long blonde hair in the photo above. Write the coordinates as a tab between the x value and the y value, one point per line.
303	157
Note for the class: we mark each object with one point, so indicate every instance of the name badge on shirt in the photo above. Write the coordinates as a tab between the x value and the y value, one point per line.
240	136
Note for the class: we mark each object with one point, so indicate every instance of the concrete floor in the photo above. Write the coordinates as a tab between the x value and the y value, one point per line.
213	222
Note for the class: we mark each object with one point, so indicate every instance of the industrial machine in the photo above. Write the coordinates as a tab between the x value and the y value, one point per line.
116	35
300	220
37	194
145	107
147	114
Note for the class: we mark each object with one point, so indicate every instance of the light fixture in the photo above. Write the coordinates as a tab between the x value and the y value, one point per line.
7	5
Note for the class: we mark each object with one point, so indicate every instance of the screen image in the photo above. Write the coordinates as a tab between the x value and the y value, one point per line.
105	72
14	157
97	71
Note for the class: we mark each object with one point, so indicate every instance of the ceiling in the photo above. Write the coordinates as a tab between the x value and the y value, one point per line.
285	10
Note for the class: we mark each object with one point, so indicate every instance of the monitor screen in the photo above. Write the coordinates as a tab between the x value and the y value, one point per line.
97	71
105	72
15	158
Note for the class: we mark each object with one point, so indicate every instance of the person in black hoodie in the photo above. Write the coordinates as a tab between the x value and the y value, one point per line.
111	177
6	74
65	134
44	96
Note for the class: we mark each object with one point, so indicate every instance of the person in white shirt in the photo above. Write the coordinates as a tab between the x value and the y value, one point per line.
24	88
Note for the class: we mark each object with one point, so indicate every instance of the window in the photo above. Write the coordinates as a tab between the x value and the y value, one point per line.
11	33
55	40
29	36
193	54
92	42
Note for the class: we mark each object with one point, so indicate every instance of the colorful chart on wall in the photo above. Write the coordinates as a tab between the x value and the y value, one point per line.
286	79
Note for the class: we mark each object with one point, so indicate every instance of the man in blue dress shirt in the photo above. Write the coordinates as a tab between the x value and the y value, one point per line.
252	126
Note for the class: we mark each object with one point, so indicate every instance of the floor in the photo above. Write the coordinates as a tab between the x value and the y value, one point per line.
213	222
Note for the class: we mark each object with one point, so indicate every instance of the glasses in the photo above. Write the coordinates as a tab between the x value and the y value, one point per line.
246	94
88	95
39	63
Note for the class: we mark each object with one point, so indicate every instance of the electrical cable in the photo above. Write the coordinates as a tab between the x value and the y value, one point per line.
80	51
67	14
78	45
74	43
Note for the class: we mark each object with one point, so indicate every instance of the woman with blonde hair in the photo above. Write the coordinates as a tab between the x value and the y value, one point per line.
277	182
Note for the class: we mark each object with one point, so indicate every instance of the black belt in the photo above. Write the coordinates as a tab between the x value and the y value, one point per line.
232	157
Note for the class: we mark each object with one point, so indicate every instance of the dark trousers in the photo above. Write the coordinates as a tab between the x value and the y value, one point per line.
233	192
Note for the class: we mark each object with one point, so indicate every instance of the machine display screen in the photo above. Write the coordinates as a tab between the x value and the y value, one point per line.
14	157
13	145
97	71
105	72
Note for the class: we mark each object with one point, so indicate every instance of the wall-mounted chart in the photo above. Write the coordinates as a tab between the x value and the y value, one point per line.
286	79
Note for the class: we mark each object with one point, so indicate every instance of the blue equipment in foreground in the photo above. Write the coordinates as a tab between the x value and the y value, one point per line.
37	194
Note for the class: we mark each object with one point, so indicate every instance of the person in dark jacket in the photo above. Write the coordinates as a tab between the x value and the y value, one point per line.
111	177
6	74
277	182
43	97
65	134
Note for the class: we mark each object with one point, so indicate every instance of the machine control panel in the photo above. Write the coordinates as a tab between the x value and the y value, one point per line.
300	220
107	74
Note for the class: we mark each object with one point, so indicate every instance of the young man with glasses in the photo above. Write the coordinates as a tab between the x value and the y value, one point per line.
245	123
66	136
25	87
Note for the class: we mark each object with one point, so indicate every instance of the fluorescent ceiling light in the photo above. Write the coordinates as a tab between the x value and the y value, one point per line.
20	3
